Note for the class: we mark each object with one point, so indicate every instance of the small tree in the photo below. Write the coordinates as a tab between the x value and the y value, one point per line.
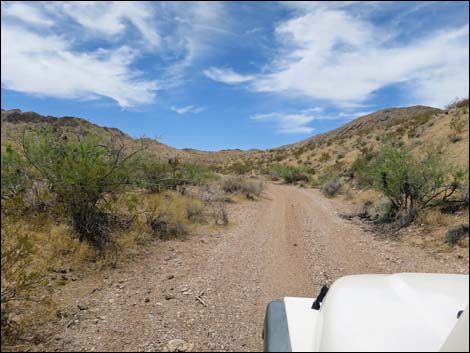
84	175
412	184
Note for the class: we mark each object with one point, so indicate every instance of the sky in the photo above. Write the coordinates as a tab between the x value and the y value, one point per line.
219	75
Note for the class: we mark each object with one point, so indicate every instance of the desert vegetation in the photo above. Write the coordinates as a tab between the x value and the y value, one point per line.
74	203
76	200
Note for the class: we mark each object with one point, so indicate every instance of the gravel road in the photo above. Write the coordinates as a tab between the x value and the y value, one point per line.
211	290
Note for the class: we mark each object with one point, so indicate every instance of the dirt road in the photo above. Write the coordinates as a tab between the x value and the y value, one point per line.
287	244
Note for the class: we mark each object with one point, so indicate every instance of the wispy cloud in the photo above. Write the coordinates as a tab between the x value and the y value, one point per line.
85	50
27	13
227	76
288	123
300	123
47	65
187	109
329	54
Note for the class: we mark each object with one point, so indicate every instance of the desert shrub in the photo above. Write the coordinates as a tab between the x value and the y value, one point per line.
195	211
220	214
84	175
18	276
238	184
413	184
241	168
14	179
280	156
157	175
295	174
325	156
456	234
360	169
326	175
456	124
290	175
460	201
164	226
331	188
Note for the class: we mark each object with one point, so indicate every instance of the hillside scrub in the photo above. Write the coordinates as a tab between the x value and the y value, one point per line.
413	184
158	175
18	279
84	176
242	185
331	187
290	175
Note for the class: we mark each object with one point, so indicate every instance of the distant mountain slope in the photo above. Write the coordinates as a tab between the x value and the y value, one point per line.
14	122
336	150
417	125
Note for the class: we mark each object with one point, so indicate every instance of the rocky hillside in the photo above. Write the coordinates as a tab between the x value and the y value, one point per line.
417	126
14	122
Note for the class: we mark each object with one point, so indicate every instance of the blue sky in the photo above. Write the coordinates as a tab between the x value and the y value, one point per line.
216	75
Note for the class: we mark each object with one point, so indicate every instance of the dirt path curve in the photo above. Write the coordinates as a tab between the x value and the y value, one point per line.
287	244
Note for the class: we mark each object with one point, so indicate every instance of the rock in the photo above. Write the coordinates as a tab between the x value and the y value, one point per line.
82	306
169	296
178	345
170	277
146	300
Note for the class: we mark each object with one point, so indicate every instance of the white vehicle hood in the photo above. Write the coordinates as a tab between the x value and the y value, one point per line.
401	312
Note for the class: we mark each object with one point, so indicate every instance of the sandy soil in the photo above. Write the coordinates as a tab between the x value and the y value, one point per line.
289	243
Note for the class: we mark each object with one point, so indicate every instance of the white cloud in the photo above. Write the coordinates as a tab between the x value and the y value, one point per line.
288	123
46	65
89	49
298	123
329	53
227	76
26	13
101	18
313	110
187	109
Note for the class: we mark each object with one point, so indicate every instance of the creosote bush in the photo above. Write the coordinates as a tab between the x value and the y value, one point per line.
413	184
158	175
331	188
290	175
239	184
84	175
456	234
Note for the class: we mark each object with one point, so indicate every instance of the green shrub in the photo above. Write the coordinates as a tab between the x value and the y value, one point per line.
84	175
157	175
413	184
14	178
290	175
